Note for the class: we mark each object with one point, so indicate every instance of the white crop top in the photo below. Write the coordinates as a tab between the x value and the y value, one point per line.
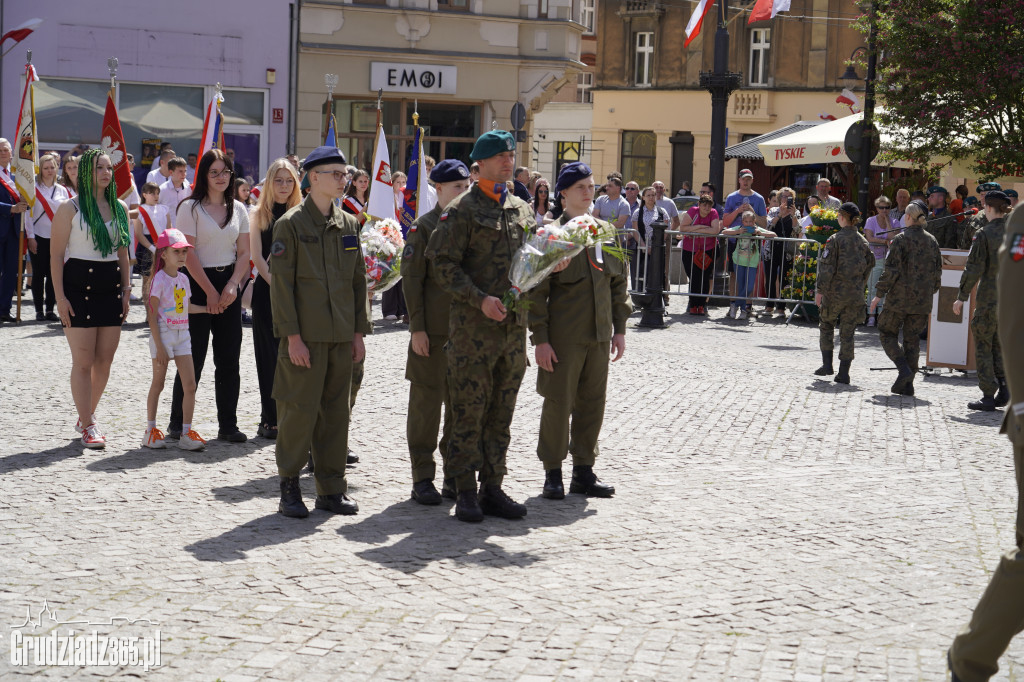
80	240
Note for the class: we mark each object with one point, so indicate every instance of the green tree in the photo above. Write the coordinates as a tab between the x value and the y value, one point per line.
949	78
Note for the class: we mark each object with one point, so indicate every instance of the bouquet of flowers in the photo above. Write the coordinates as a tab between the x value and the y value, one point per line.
824	222
382	245
549	245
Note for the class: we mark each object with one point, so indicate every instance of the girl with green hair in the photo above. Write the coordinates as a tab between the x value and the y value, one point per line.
93	285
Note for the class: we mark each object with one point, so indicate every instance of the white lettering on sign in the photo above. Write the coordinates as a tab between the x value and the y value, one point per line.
423	78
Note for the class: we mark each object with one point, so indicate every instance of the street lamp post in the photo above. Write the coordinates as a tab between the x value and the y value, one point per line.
868	130
720	83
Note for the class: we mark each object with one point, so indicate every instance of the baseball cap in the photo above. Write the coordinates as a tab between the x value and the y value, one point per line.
745	173
172	239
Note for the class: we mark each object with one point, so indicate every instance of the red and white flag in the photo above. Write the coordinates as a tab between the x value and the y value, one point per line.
112	144
381	202
696	19
19	33
213	135
25	162
767	9
847	98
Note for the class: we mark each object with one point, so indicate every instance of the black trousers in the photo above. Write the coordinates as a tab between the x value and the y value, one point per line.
265	346
226	329
701	280
40	270
392	302
775	270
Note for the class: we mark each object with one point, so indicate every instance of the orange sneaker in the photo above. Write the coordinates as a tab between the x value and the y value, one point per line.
191	441
92	438
154	438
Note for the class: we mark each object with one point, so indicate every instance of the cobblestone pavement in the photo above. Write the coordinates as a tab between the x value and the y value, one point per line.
768	525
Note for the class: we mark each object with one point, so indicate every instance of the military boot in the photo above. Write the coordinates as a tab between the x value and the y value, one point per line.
826	364
585	482
467	508
338	503
553	488
424	492
904	380
1003	394
291	498
843	376
986	404
448	489
494	502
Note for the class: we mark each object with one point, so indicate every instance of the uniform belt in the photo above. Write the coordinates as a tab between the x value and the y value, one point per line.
221	268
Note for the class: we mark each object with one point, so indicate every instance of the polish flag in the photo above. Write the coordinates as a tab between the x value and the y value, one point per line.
767	9
696	19
19	33
380	203
847	98
213	136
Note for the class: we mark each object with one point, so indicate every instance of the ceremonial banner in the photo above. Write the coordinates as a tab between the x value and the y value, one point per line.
331	137
213	135
112	144
381	202
415	187
25	161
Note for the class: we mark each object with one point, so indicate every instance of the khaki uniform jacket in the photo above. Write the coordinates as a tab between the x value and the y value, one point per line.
581	304
983	267
318	289
913	272
472	250
844	265
1010	284
428	304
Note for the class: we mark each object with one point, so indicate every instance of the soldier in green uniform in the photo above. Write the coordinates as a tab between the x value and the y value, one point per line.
844	265
970	227
981	269
577	318
912	275
975	653
472	249
941	222
427	365
321	312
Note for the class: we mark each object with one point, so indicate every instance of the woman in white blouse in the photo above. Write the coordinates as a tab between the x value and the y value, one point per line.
49	196
217	226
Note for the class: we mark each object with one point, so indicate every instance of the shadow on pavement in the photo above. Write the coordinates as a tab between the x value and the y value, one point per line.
272	529
980	417
431	534
216	451
268	488
803	348
34	460
900	402
827	385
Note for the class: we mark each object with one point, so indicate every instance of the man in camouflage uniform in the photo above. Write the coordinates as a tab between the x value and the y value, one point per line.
971	226
845	263
975	653
912	275
941	223
427	365
472	250
577	317
981	269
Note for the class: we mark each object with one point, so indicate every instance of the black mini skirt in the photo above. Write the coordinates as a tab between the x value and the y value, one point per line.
93	288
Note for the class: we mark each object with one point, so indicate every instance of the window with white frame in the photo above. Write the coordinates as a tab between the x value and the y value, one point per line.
587	15
760	42
584	83
643	58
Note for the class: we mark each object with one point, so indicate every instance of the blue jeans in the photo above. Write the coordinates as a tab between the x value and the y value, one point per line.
746	279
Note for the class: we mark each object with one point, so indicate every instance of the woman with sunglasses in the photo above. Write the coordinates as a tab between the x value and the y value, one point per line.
542	201
879	230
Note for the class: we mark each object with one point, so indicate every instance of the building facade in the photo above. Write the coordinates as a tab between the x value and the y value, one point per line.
167	73
651	118
462	64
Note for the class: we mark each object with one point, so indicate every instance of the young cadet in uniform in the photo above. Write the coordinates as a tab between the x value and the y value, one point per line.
427	365
321	312
997	618
472	249
577	318
972	225
844	266
981	269
912	275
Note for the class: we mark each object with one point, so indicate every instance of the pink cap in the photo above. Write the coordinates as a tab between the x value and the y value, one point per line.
172	239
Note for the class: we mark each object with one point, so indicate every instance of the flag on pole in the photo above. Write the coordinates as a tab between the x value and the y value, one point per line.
381	202
767	9
213	134
112	144
20	32
25	162
696	19
848	98
415	193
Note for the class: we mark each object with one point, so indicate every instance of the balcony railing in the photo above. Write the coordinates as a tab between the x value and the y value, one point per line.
641	8
751	106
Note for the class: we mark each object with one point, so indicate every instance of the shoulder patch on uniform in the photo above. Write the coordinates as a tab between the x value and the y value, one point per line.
277	248
350	242
409	251
1017	248
412	229
824	252
444	216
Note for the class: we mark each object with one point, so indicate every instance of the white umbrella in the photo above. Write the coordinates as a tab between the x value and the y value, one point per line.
823	143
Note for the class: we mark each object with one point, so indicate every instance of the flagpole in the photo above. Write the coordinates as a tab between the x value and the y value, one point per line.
21	232
331	81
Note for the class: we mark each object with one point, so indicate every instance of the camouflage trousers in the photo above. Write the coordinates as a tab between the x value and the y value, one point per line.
574	399
428	391
889	324
485	368
988	354
847	317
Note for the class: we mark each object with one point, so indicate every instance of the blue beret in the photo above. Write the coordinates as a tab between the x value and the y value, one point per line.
971	201
1012	193
571	174
996	195
449	170
851	209
989	187
936	189
323	155
492	143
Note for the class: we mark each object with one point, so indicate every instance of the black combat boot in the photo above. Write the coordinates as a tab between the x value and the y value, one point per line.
338	503
448	489
826	364
1003	394
351	458
986	404
467	508
843	375
585	482
905	379
494	502
553	488
291	498
424	492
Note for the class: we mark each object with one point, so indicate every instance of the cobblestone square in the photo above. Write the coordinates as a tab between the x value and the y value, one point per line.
767	525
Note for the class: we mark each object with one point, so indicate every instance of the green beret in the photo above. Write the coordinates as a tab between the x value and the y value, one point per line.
492	143
935	189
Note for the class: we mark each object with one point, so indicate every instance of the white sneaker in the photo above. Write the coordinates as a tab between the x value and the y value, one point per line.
92	438
742	315
391	317
153	438
871	321
191	441
134	297
732	312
